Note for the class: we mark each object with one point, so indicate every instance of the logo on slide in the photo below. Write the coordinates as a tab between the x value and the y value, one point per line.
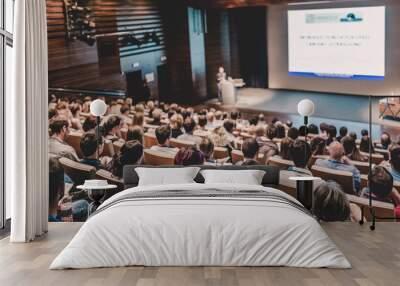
351	17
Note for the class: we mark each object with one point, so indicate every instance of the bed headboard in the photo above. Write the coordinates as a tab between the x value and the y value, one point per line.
271	177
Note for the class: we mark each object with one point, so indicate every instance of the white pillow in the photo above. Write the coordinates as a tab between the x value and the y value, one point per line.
166	176
247	177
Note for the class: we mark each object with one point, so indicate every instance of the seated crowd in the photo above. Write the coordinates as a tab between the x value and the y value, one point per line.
201	132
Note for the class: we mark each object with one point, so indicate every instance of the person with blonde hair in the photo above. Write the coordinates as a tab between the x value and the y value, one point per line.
176	123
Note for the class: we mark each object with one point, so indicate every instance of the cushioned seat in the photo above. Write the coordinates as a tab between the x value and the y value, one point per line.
149	140
176	143
376	158
78	172
314	158
279	162
156	158
363	167
343	178
237	156
117	145
220	152
382	210
74	140
108	148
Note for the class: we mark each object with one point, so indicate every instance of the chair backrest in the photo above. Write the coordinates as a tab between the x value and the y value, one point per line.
383	152
108	148
343	178
246	135
78	172
74	140
124	132
314	158
176	143
280	163
363	167
220	152
156	158
382	210
237	156
375	158
117	145
364	181
149	140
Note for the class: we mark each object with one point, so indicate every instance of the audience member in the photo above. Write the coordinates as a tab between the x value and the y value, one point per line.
202	122
135	133
330	203
211	124
351	151
338	161
385	140
57	142
300	152
285	147
163	134
323	130
331	132
189	125
342	133
112	128
365	143
219	137
313	129
268	148
395	163
189	156
207	148
293	133
127	120
91	150
353	135
381	184
250	150
176	123
318	146
280	131
76	116
131	153
138	119
89	124
156	117
229	126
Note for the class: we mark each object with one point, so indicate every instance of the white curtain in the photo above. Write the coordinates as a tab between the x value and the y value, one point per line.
26	121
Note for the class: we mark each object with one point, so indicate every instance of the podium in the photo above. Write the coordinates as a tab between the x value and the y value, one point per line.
228	93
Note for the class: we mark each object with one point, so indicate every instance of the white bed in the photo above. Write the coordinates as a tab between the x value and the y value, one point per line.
210	230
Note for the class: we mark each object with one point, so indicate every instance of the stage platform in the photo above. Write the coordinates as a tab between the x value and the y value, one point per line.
336	109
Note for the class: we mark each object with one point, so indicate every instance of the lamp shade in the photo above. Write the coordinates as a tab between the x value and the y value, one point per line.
98	107
305	107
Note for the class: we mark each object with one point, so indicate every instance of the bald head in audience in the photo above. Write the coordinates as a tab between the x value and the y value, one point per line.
336	151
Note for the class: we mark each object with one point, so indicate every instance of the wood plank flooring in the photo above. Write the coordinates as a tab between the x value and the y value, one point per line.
375	257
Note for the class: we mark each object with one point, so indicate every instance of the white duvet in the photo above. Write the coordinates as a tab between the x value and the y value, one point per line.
200	231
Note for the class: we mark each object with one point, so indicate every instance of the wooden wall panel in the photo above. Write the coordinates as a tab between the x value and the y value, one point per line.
74	64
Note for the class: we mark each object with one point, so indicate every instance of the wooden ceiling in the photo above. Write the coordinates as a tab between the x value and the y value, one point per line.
244	3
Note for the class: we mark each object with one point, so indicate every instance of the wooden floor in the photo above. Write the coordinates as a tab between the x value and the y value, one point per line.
375	257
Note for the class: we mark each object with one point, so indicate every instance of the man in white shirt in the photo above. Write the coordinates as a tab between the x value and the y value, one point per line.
163	134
